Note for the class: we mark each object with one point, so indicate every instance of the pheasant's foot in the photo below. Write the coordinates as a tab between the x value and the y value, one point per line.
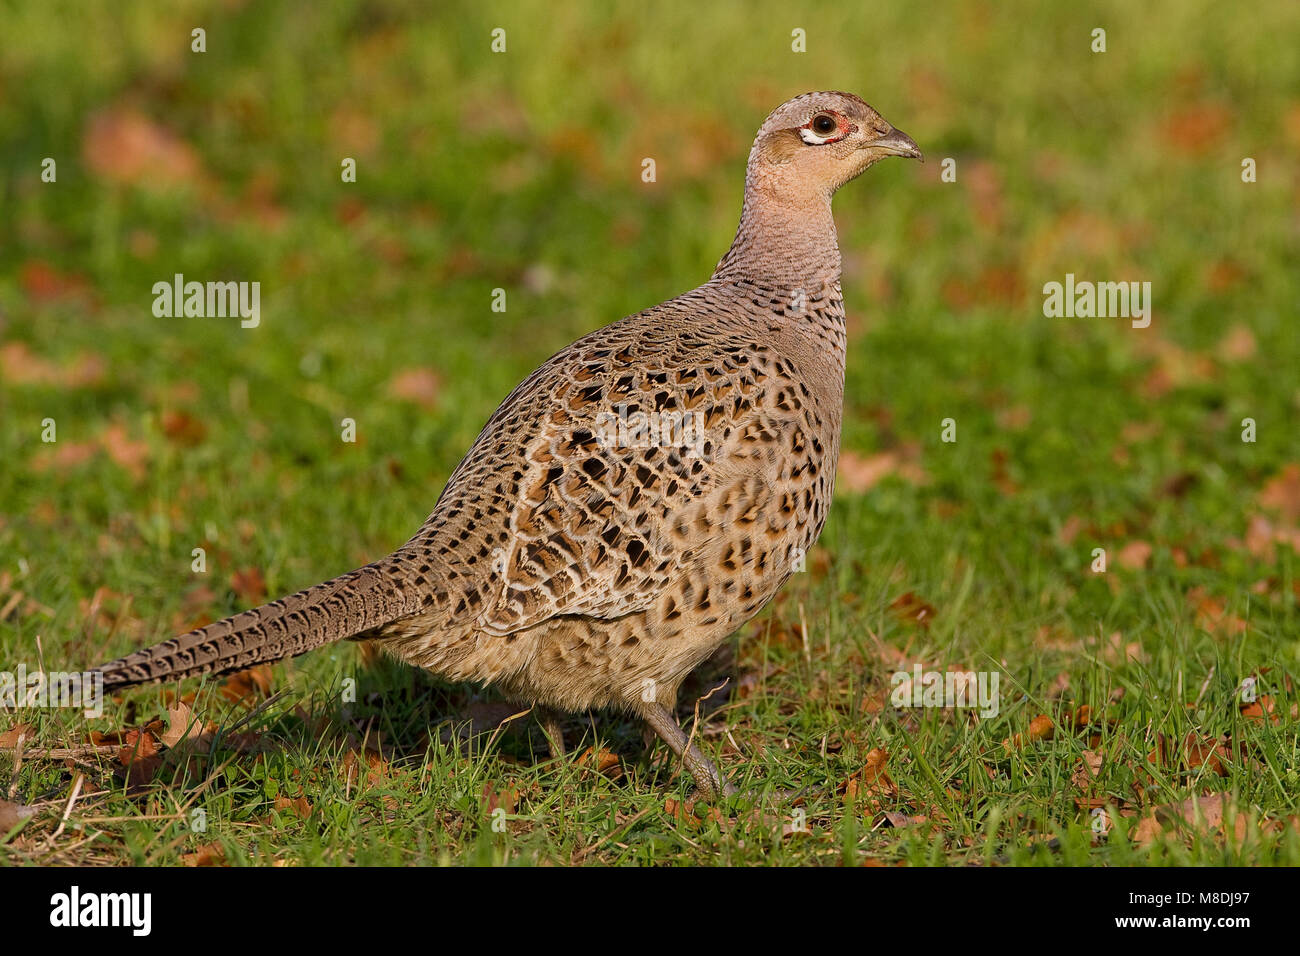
552	729
708	781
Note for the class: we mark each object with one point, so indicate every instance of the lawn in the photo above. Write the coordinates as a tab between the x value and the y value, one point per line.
994	456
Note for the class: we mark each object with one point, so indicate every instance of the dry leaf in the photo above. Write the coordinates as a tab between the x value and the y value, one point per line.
418	385
873	779
859	473
249	585
213	854
9	739
137	746
911	608
1040	728
11	814
603	762
183	429
299	807
1135	555
252	683
123	145
181	725
1089	768
1282	493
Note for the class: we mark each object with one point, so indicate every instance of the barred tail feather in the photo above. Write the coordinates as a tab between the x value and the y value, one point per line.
340	608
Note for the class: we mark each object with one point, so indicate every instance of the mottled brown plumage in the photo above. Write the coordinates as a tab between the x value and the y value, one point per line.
577	559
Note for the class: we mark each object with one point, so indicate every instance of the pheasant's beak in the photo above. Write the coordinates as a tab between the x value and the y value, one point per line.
897	143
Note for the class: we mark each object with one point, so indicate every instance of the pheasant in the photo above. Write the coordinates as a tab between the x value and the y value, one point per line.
638	497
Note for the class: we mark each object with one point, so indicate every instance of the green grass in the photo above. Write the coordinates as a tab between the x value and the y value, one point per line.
521	171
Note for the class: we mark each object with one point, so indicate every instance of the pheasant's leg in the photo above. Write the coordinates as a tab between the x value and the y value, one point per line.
706	775
550	721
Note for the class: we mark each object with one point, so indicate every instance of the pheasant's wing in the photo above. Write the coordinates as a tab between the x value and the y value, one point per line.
596	482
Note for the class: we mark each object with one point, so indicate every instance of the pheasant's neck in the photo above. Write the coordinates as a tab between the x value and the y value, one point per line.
790	244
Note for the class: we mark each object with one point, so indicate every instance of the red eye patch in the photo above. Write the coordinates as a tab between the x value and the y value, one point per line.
813	136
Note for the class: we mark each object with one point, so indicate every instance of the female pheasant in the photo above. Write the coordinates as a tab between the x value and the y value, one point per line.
638	497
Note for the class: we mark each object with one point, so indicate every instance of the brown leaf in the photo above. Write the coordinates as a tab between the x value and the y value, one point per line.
859	473
181	725
1260	710
1238	344
418	385
1070	529
1192	753
299	807
9	739
873	779
1002	479
1282	493
910	608
123	145
127	453
377	769
1135	555
137	745
604	762
11	814
1040	728
250	684
213	854
901	820
183	429
506	799
1205	813
249	585
1212	617
1089	768
1198	127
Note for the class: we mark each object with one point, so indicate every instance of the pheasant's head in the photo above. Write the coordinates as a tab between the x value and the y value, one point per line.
813	144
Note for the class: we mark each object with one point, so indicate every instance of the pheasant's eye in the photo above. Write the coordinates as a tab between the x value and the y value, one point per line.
823	128
823	124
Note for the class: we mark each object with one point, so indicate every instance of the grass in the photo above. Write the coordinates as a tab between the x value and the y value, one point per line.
521	171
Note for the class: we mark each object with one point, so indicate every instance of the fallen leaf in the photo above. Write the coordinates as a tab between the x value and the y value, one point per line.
249	585
493	798
183	429
213	854
1040	728
122	145
137	745
910	608
12	814
418	385
299	807
127	453
1088	770
181	725
1135	555
872	780
604	762
1260	710
1198	813
1238	344
1197	128
9	739
859	473
252	683
1282	493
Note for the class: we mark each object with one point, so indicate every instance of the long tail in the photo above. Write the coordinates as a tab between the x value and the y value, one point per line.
333	611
